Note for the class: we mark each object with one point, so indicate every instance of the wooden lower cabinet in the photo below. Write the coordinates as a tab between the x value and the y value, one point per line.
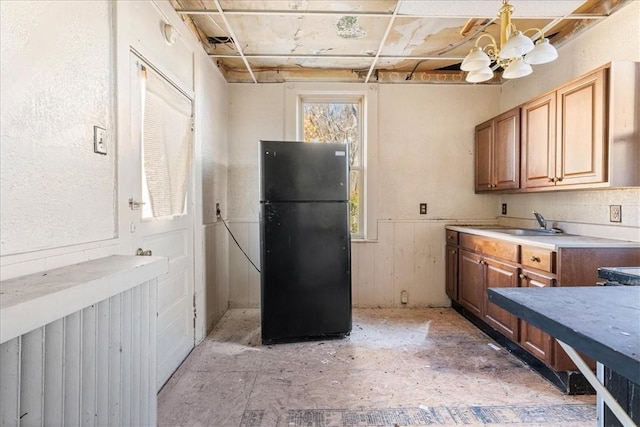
451	278
531	338
500	275
471	282
478	262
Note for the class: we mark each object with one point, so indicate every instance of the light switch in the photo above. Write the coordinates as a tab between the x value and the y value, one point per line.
99	140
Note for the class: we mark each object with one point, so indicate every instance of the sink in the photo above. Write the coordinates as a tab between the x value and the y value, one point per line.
525	232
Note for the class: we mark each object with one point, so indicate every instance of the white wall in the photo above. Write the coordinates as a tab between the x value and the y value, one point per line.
616	38
425	154
56	86
61	203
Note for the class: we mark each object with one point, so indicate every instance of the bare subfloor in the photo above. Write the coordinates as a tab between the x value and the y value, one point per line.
405	367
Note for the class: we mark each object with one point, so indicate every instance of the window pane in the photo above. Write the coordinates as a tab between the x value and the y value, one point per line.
355	199
334	122
339	121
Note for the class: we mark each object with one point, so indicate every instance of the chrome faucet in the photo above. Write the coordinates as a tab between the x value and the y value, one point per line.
541	220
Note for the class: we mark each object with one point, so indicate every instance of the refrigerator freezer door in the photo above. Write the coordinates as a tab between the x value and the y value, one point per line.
298	171
306	271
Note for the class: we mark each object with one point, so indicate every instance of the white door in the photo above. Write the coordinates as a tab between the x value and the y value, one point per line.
162	206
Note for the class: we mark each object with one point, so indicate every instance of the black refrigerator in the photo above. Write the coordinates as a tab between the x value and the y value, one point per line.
305	241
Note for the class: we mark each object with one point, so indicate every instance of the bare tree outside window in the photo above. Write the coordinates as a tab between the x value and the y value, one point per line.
339	122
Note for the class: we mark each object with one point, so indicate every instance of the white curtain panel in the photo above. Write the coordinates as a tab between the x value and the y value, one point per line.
167	140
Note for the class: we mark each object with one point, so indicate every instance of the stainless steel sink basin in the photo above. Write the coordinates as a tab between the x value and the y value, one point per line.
525	232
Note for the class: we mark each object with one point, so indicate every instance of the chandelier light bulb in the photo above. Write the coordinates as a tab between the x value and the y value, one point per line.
475	60
542	53
481	75
517	45
517	69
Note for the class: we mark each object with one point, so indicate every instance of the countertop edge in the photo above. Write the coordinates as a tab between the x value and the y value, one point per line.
549	244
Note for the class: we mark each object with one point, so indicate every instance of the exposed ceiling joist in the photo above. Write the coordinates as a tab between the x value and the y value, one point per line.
416	41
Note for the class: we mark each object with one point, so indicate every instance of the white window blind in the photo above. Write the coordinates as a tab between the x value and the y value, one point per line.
167	140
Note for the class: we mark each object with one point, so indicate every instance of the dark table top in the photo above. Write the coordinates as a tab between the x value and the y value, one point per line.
622	275
602	322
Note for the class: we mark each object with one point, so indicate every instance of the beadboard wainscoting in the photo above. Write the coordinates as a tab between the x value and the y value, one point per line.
407	256
78	344
216	274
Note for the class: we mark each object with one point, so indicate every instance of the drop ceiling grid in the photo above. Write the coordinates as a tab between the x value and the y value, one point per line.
287	39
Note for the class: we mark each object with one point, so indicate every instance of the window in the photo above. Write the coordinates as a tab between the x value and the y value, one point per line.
339	119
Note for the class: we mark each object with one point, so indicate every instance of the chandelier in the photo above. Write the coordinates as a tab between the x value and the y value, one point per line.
515	54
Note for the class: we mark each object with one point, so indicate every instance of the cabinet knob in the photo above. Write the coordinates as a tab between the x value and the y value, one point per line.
559	179
552	180
453	251
481	262
523	277
535	259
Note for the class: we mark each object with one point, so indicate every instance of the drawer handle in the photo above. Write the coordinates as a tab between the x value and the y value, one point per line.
535	258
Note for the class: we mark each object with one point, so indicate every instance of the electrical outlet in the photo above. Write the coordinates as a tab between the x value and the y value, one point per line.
99	140
404	297
504	209
615	213
423	208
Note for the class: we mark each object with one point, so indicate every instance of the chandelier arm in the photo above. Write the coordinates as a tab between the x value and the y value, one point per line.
493	41
538	31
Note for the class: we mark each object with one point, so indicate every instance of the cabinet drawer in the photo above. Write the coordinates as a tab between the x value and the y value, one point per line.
541	259
452	237
490	247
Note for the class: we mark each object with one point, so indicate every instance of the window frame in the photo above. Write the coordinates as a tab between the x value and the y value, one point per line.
369	92
359	100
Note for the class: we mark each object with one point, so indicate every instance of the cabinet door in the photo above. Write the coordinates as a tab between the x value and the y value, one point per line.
506	150
471	282
580	156
484	156
533	339
451	279
500	275
539	142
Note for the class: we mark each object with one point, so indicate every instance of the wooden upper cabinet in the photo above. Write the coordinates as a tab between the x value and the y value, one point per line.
506	153
584	134
539	142
580	137
484	156
563	135
498	152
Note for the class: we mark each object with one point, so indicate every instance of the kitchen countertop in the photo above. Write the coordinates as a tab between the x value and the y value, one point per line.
599	321
551	241
624	275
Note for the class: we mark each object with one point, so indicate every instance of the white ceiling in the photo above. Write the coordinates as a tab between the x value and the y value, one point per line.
368	40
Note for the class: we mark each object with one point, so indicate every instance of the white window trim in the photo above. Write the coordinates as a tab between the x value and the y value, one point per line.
369	92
